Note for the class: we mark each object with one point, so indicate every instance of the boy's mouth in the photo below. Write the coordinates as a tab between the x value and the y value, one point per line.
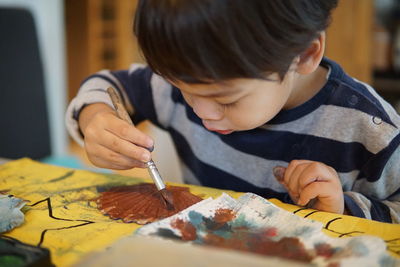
223	131
218	131
212	129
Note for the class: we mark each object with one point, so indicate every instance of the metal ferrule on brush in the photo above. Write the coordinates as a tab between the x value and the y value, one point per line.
155	175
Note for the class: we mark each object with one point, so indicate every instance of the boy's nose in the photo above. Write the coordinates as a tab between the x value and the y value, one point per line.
207	109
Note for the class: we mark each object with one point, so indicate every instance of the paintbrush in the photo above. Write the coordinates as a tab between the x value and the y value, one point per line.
151	166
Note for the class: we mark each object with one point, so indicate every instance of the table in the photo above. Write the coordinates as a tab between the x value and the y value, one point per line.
62	216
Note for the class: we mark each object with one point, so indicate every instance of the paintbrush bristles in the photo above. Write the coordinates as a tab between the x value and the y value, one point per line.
167	196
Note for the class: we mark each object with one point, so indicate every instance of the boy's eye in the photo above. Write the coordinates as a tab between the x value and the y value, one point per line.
229	105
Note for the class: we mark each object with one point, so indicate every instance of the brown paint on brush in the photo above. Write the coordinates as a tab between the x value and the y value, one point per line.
142	203
168	199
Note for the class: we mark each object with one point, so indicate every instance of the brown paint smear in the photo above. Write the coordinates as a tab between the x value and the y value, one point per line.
187	230
142	203
224	215
246	239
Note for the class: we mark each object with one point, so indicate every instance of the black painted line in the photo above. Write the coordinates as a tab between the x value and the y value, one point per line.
61	228
294	212
65	176
311	213
331	221
392	240
349	233
50	209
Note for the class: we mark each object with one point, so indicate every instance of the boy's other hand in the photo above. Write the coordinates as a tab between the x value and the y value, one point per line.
111	142
314	183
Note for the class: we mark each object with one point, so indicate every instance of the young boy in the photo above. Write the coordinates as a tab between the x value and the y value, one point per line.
242	87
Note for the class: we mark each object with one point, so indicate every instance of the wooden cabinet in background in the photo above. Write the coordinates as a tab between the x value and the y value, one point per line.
99	35
349	38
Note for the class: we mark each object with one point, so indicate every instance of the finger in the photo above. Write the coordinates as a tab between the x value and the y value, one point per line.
101	163
329	199
279	173
124	147
318	190
129	133
296	175
291	167
316	172
113	158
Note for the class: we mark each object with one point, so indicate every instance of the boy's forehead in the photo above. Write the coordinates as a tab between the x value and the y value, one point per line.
219	89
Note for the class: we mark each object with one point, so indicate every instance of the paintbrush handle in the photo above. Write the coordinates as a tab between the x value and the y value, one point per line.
119	107
123	115
155	175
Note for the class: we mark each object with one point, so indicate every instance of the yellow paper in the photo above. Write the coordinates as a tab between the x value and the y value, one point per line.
62	216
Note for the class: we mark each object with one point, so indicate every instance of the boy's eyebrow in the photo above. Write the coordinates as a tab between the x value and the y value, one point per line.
227	91
221	93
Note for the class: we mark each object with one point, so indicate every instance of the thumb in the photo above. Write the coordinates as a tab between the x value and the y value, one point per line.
279	173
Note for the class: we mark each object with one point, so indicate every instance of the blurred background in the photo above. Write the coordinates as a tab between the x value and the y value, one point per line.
49	46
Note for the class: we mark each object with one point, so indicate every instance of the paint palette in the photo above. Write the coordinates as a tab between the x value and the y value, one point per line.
253	224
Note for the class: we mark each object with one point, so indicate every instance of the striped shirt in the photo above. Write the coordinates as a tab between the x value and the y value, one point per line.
346	125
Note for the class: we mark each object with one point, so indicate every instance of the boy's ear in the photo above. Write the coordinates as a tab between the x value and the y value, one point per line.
309	60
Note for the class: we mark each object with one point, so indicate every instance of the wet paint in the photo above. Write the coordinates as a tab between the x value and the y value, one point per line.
225	230
188	231
142	203
253	224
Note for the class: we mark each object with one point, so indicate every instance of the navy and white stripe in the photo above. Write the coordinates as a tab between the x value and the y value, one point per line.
346	125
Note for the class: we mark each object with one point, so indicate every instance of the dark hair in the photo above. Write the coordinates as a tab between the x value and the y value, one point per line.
197	41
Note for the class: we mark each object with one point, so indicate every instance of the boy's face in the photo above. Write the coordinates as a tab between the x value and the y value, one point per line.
238	104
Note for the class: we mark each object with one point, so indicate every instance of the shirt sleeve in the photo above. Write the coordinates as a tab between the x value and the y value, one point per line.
378	198
94	90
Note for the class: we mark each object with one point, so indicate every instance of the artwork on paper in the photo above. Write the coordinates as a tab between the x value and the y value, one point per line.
61	207
253	224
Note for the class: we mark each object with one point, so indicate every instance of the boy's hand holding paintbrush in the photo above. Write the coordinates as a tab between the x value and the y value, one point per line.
113	142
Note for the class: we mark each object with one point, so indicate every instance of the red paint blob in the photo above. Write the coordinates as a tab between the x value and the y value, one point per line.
324	250
224	215
187	230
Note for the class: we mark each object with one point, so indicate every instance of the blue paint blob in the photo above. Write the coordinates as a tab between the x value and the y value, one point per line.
195	218
303	231
270	211
387	261
358	247
241	221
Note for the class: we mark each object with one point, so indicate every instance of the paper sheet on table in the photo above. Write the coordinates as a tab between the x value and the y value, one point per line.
61	215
